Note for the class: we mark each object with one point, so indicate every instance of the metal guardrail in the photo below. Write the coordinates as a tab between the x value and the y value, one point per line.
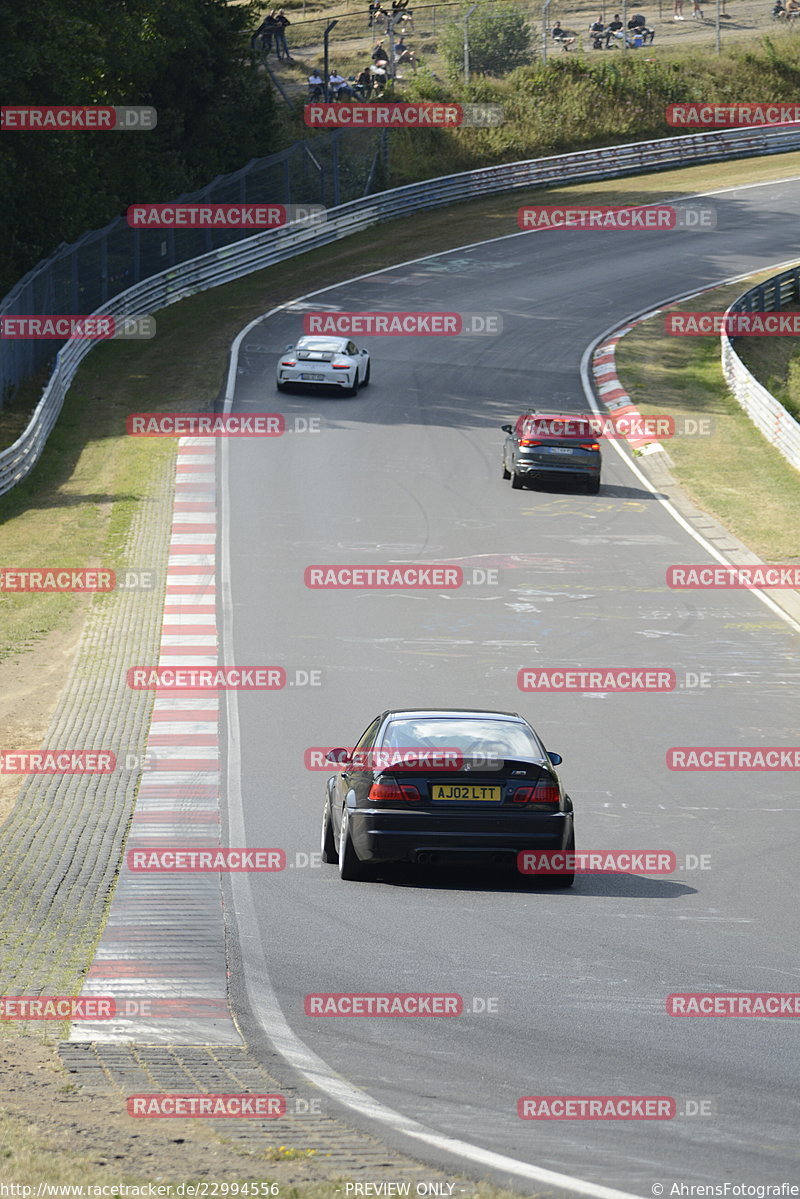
766	413
241	258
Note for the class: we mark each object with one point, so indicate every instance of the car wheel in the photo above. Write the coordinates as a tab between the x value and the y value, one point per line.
365	382
328	841
516	481
351	868
352	391
283	387
593	487
506	471
560	881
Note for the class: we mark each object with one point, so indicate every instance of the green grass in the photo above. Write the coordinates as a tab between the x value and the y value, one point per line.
734	474
775	362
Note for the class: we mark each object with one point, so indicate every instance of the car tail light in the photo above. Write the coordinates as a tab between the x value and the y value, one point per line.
393	793
545	791
526	441
342	366
590	446
289	362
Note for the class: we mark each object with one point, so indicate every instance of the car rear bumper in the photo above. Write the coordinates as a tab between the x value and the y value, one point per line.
340	379
563	469
400	836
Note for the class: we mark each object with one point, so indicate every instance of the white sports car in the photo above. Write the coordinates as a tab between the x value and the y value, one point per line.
324	362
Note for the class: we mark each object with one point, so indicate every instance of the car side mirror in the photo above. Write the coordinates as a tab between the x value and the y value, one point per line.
338	756
507	428
363	351
289	347
555	758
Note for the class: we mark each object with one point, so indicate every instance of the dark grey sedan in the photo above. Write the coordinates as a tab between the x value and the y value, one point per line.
552	445
444	786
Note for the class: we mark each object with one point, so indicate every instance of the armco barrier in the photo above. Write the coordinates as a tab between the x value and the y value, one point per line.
264	249
766	413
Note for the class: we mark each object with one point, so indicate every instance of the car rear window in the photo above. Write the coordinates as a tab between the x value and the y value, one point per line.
544	427
318	343
504	738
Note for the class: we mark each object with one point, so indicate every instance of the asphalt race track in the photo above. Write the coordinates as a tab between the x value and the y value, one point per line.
409	471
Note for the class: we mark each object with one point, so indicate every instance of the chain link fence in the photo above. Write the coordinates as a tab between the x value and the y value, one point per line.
76	279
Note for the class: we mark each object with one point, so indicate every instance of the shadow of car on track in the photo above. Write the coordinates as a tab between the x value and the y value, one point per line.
610	886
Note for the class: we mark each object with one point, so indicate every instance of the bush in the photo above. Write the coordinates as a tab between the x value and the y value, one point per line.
498	43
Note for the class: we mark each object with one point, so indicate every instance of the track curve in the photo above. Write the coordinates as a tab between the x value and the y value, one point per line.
410	471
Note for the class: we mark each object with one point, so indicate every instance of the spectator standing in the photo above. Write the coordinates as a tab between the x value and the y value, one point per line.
677	10
281	21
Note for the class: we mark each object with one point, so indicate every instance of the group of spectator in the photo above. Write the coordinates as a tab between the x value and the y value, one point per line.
399	14
272	30
787	10
605	37
358	87
370	81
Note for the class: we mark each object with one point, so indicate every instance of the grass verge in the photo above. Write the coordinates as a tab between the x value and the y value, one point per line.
733	473
775	362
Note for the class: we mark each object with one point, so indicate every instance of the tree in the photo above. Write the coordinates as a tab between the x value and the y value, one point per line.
188	59
499	42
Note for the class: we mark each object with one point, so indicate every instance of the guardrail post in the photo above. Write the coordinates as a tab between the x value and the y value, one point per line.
335	167
103	269
74	292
